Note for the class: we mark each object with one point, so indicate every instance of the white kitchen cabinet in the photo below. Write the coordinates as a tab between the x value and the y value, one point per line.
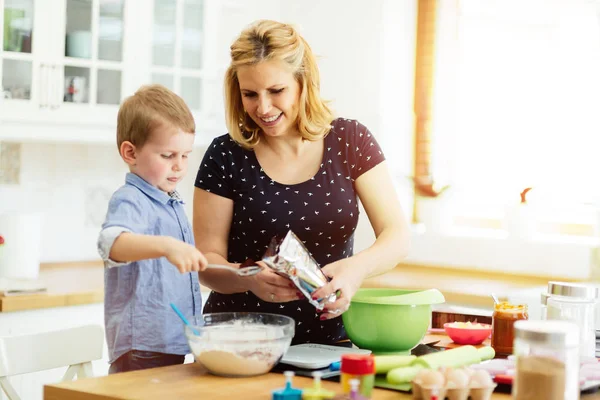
67	64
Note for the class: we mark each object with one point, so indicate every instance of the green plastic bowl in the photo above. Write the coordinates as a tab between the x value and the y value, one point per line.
390	320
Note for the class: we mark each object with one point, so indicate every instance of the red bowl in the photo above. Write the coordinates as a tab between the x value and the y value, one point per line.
468	335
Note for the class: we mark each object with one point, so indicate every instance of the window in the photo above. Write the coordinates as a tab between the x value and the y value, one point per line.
517	104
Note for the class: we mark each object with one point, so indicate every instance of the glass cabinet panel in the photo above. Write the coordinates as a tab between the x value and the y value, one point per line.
109	87
191	91
18	26
77	85
79	29
177	48
163	40
191	46
110	35
16	79
164	79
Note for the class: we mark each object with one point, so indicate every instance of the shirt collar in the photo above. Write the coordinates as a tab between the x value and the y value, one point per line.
151	191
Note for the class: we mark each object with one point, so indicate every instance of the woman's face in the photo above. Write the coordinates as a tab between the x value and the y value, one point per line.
270	95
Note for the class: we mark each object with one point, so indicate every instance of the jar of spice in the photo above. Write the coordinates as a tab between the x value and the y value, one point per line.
503	319
360	367
547	360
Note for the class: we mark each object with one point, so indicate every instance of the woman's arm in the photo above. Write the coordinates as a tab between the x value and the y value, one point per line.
378	196
376	191
211	222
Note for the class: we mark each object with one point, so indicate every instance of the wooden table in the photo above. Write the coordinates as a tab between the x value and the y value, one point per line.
190	381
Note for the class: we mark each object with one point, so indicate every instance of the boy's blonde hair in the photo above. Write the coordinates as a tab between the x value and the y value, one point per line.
267	40
150	107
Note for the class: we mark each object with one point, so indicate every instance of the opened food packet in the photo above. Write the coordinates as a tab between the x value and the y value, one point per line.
291	259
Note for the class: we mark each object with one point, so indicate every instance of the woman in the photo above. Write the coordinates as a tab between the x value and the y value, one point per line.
287	164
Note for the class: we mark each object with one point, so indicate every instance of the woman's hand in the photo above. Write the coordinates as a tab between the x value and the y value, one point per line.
269	286
346	279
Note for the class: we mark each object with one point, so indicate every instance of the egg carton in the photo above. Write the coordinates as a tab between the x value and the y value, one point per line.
453	384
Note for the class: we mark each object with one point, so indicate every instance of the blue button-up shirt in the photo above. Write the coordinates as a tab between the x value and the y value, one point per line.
137	312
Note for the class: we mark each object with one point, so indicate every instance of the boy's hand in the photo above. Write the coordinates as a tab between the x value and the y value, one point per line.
185	257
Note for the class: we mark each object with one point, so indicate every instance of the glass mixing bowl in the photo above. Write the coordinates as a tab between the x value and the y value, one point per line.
239	344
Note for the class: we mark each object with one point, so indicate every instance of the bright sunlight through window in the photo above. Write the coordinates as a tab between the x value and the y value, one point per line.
518	102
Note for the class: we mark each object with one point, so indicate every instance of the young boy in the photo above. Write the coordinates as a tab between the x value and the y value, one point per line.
146	241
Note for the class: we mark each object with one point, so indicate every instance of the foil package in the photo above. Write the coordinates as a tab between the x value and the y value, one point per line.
291	259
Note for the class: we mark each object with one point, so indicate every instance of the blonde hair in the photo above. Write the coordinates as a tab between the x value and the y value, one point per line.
149	108
267	40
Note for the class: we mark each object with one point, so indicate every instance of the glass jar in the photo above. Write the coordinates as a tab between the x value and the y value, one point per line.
547	360
503	319
580	311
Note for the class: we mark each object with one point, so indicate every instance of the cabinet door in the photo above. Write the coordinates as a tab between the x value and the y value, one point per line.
179	56
21	58
89	61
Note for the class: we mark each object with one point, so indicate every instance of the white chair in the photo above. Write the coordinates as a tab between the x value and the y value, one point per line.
74	347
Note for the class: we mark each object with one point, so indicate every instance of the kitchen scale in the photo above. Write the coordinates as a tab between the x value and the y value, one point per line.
304	359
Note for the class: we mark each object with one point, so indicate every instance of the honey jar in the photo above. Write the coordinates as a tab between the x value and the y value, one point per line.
503	319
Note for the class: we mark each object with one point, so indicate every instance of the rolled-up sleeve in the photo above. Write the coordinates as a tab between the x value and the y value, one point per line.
125	214
106	239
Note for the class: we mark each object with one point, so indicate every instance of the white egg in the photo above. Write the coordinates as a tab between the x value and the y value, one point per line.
457	378
481	378
419	377
432	379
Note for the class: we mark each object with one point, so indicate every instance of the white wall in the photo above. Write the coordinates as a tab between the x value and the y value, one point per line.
366	52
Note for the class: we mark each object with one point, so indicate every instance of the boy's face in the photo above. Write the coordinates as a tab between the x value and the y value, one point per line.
163	160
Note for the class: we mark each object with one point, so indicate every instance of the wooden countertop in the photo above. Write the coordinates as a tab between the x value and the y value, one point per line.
68	284
465	287
83	283
190	381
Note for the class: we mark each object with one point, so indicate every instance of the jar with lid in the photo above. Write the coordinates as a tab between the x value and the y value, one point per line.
503	319
580	311
578	303
547	360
